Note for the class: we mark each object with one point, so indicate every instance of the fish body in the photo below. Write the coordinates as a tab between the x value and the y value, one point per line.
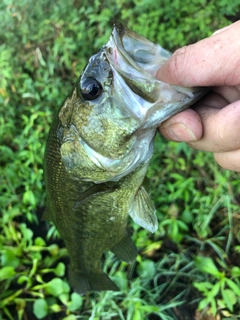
98	151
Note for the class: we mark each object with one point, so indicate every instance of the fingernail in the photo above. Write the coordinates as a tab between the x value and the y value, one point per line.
179	132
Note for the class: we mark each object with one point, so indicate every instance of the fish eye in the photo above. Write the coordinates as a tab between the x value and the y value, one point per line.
90	88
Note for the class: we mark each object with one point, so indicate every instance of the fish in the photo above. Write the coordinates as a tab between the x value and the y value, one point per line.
98	151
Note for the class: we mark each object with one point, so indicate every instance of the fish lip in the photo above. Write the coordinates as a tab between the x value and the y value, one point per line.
119	31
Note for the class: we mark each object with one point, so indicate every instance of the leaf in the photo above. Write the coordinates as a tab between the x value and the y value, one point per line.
206	265
9	259
229	298
120	278
203	286
39	242
76	302
66	287
64	298
137	315
27	233
146	269
150	309
55	308
183	225
215	290
233	286
236	271
29	198
60	269
203	304
57	286
6	273
213	307
40	308
70	317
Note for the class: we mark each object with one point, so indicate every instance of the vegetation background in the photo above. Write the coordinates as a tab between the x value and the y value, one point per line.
190	267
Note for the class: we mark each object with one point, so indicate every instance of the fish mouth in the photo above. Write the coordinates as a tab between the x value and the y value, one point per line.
135	61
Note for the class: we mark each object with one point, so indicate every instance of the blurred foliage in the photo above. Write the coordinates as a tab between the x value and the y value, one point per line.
44	46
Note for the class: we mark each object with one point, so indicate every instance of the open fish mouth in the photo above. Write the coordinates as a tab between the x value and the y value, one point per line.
135	61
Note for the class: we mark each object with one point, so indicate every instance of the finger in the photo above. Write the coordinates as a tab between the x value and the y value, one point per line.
230	94
185	126
229	160
221	128
204	63
221	30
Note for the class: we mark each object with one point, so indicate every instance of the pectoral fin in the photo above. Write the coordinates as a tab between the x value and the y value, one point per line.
143	211
125	249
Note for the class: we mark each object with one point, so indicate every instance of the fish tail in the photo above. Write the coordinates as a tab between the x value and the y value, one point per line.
83	282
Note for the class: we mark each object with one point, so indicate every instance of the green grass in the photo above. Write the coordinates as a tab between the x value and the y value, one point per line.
44	46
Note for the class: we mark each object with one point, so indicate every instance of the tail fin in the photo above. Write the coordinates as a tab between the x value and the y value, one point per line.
84	282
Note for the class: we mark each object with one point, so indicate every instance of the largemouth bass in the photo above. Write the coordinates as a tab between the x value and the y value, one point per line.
98	151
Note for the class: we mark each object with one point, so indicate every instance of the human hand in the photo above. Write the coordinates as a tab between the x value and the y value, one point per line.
213	123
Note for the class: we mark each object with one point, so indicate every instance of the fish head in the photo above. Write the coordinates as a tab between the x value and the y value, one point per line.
108	123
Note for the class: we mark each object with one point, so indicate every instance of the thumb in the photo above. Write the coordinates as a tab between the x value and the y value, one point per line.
213	61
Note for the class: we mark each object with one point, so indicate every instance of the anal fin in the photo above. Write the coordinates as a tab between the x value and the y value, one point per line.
125	249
